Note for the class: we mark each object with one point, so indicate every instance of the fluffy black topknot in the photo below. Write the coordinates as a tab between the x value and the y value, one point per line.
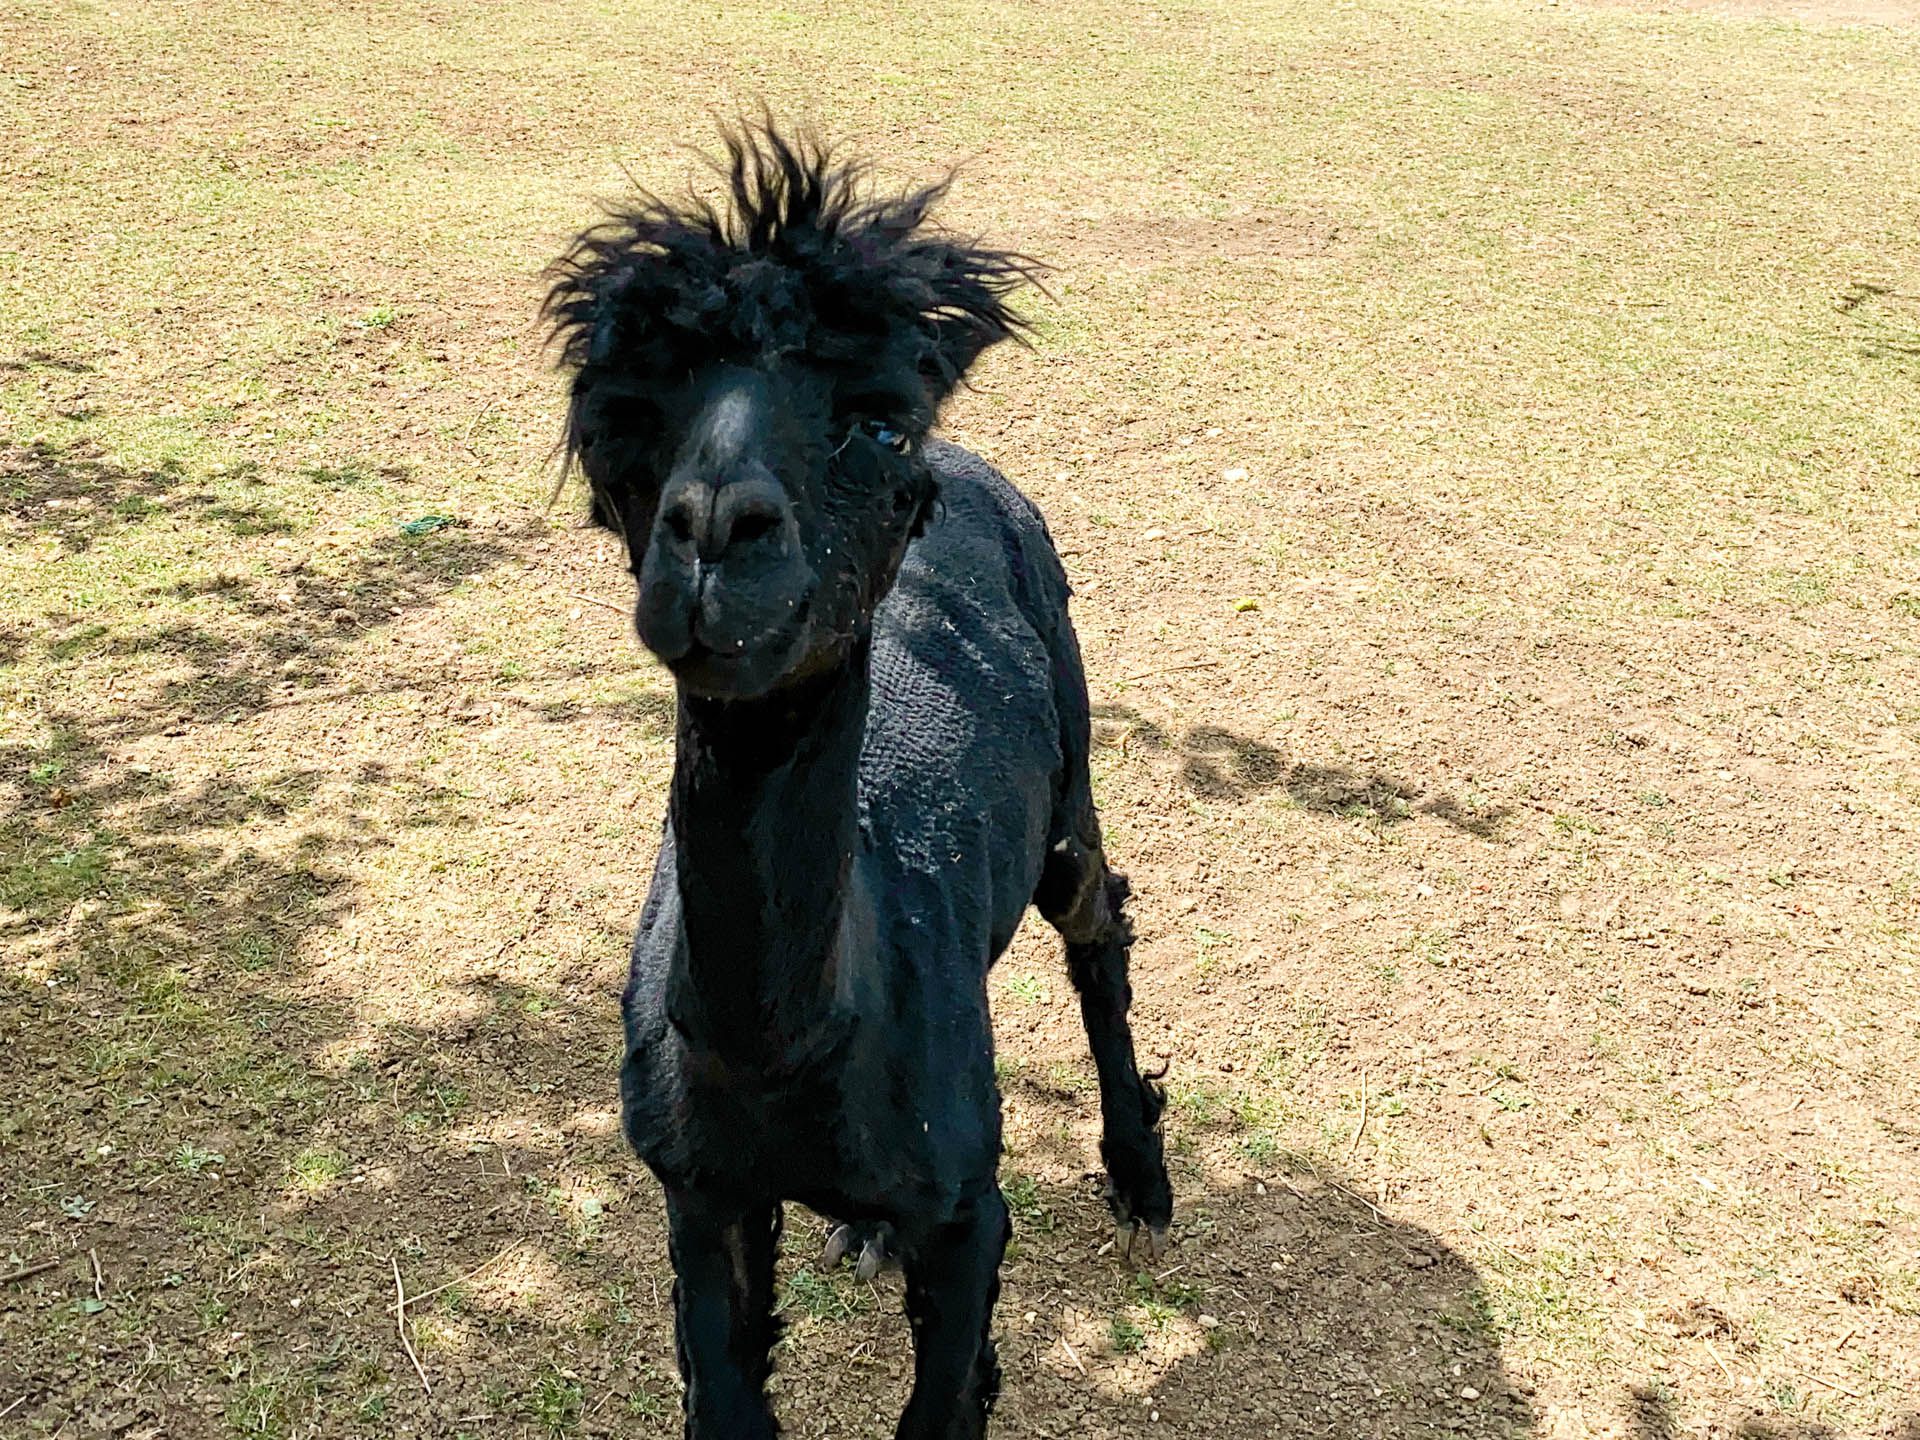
801	257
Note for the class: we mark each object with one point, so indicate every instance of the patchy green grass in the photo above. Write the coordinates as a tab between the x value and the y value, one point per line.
554	1402
810	1295
314	1169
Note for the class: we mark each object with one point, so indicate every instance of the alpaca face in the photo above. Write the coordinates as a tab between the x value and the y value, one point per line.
777	523
750	392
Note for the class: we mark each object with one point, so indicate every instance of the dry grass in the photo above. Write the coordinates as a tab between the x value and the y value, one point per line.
1486	435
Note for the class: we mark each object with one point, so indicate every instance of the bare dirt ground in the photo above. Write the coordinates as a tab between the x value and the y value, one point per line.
1482	437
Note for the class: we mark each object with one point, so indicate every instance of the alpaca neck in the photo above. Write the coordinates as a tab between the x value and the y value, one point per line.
765	820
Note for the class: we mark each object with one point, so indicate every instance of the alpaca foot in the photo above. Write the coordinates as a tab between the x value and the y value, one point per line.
1147	1243
871	1246
1141	1199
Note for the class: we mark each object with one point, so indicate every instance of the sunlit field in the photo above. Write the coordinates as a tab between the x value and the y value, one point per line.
1485	441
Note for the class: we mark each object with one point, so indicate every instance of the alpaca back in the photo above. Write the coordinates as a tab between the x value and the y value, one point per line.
962	767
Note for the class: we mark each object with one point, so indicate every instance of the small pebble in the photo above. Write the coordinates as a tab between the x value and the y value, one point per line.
1467	1392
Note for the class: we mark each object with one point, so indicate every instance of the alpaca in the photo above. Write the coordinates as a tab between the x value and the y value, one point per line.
881	759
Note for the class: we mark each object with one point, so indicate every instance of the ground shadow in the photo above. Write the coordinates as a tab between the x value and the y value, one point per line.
270	635
226	1166
1650	1411
1214	763
192	1129
159	1019
1879	336
28	361
74	494
1290	1306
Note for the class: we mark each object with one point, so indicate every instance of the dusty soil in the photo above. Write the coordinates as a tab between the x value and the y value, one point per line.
1482	443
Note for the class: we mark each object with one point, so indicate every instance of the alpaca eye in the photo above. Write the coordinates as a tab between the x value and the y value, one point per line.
884	434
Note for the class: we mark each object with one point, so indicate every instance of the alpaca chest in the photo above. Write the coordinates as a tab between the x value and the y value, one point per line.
846	1143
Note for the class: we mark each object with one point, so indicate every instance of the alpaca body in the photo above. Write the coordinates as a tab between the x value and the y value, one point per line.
882	1084
880	760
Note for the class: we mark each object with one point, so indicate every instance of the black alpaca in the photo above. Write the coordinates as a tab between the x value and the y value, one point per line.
881	759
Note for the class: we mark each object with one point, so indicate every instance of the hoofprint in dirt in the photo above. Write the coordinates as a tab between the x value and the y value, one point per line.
1482	442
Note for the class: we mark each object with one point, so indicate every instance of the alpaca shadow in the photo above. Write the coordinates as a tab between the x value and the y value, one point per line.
1216	764
1383	1327
1290	1308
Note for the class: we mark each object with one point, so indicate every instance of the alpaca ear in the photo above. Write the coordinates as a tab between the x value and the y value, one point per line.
966	310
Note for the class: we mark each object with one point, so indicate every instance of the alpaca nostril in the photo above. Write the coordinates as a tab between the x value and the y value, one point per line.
679	522
748	511
755	525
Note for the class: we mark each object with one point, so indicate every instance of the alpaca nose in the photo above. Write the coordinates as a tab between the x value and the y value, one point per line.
713	522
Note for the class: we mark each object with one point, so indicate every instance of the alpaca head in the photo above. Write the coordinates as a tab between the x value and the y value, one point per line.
751	386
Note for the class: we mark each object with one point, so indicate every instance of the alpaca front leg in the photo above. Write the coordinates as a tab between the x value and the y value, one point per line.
953	1280
724	1326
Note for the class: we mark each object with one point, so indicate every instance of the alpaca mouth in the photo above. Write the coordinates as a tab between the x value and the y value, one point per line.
740	667
702	648
699	654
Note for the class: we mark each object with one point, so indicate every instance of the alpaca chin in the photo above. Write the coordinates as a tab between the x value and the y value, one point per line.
750	674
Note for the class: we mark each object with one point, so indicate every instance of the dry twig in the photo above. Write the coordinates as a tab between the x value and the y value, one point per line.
1351	1195
1071	1356
619	610
1172	669
1833	1385
27	1272
99	1283
1717	1360
400	1322
461	1279
1361	1128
